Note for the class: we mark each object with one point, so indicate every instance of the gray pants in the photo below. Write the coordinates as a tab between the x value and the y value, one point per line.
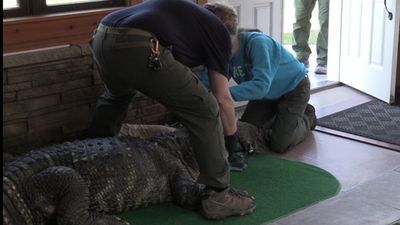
302	26
284	119
122	60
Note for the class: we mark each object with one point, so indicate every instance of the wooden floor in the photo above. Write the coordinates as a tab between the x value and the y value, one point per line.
358	166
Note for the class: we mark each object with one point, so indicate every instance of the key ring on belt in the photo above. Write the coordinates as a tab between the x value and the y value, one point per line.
154	59
155	46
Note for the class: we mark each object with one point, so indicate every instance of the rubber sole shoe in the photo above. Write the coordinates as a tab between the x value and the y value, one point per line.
310	113
238	168
237	161
321	69
229	202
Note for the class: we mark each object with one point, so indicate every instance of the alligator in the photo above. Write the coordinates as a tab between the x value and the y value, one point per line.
252	139
88	182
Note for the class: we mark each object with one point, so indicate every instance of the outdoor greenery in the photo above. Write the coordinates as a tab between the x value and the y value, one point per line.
288	38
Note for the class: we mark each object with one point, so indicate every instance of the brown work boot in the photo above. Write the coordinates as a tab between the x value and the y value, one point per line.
229	202
310	113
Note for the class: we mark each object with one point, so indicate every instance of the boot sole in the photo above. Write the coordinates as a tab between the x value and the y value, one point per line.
238	169
219	216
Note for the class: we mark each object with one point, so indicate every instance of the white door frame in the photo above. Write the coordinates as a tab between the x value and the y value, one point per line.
335	45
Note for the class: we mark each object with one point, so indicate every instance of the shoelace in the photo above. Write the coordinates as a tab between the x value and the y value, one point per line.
239	193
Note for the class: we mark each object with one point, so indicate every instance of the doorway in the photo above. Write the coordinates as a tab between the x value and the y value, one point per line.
317	80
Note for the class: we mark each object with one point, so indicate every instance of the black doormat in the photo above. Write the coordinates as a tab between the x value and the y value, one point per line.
374	120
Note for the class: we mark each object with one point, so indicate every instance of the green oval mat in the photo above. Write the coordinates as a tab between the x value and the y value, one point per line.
279	186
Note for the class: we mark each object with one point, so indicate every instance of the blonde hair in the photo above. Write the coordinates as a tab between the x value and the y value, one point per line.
226	13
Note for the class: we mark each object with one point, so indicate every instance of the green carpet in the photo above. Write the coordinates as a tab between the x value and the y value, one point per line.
279	186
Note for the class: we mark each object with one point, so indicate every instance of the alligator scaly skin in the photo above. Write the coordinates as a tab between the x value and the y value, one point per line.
87	181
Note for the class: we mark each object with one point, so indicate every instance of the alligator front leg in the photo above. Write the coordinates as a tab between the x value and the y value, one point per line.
186	192
62	193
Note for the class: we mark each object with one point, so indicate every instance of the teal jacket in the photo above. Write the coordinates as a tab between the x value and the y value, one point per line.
262	68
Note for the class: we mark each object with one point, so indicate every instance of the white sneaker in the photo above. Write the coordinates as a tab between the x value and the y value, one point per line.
321	69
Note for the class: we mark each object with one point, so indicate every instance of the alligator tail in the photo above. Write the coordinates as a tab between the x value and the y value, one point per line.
16	210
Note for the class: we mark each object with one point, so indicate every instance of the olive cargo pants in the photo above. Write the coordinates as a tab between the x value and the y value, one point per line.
283	118
121	55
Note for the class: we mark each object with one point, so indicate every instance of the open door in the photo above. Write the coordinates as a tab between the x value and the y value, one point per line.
368	45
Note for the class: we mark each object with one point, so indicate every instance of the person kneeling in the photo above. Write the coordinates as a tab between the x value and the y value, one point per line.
277	87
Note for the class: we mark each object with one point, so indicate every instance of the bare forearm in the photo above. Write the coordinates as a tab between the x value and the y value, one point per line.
220	88
228	117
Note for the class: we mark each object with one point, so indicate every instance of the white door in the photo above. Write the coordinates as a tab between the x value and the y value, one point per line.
265	15
368	46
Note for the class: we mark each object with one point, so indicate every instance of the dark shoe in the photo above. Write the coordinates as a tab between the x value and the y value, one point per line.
310	113
229	202
305	62
236	154
237	161
321	69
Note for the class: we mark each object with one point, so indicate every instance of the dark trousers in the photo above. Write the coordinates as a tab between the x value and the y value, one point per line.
122	60
283	119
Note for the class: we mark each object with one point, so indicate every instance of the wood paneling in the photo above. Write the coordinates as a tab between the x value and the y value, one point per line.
133	2
36	32
51	30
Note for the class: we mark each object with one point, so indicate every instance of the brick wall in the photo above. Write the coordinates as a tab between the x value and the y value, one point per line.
48	96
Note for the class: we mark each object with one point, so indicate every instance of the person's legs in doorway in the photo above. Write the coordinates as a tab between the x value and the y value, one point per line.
301	29
322	40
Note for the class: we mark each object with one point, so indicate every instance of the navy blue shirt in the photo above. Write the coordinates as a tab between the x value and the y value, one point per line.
197	36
